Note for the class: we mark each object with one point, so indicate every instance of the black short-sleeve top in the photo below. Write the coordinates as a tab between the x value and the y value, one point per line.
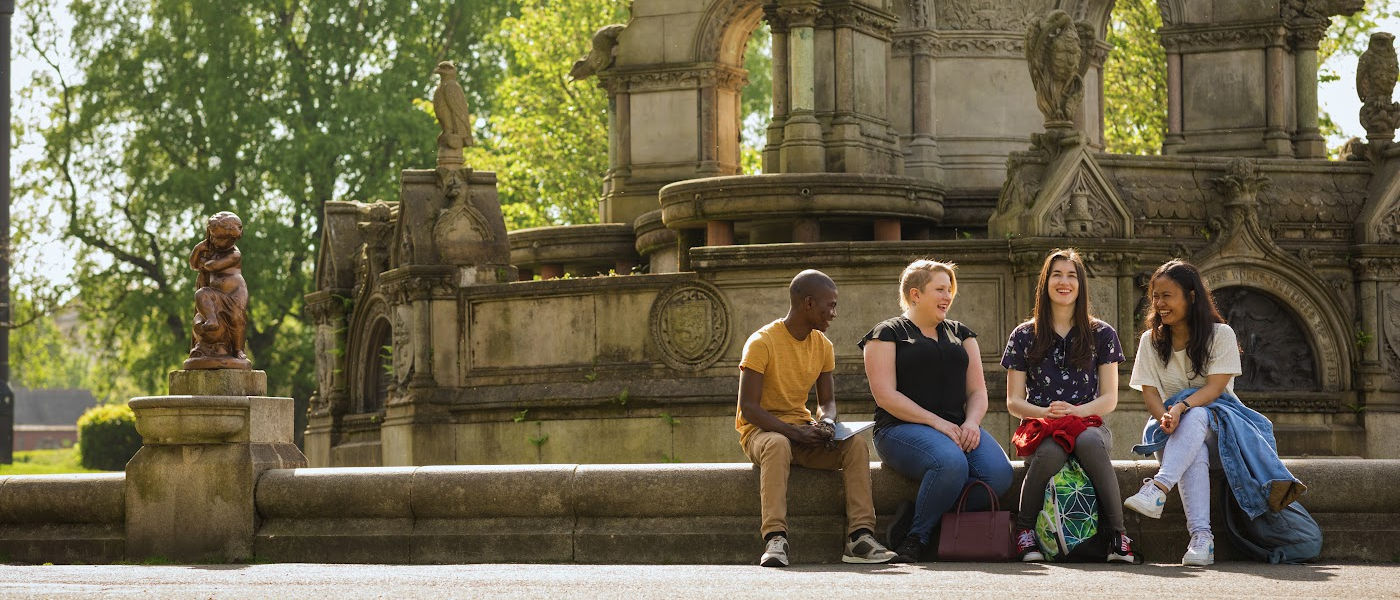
930	371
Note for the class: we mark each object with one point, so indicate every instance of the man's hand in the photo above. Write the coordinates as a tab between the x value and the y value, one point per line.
807	435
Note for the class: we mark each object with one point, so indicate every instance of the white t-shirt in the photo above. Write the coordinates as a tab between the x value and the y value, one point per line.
1171	378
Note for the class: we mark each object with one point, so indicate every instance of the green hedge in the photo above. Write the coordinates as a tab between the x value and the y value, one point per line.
107	437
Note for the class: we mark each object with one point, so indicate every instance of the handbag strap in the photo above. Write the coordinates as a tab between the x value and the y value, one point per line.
991	494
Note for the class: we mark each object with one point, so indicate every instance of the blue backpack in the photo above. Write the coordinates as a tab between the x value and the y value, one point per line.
1287	536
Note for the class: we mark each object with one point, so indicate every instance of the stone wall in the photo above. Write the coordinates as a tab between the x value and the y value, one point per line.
701	513
77	518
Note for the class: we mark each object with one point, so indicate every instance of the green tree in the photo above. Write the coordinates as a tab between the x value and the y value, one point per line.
42	354
547	136
1135	80
268	108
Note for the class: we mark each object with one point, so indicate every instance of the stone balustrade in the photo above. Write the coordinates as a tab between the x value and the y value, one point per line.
682	513
801	207
583	250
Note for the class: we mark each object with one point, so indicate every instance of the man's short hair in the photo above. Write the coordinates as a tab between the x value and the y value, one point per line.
808	283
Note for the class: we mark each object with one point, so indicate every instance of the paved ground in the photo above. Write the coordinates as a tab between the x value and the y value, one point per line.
932	580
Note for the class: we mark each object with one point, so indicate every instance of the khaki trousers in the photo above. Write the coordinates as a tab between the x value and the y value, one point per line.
775	454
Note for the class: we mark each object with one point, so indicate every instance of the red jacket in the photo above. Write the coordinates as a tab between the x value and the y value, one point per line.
1061	429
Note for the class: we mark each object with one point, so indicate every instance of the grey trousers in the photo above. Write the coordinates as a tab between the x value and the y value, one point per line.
1091	448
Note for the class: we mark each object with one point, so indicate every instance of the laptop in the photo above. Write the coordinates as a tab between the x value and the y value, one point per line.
846	429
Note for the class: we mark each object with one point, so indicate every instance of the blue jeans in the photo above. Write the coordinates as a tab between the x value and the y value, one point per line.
942	469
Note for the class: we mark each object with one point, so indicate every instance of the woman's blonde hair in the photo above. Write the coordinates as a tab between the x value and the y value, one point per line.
919	273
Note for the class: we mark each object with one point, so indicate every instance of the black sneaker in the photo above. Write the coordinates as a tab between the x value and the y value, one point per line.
1027	548
899	527
1120	549
909	551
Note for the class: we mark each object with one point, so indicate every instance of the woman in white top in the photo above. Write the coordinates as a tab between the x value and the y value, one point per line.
1187	345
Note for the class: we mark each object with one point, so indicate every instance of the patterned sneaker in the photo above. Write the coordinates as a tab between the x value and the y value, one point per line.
1148	501
909	551
1201	551
865	550
1120	549
775	554
1027	548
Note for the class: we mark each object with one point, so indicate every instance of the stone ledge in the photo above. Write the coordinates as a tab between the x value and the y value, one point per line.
693	513
601	514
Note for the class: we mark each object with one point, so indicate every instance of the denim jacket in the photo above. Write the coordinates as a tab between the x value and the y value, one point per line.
1248	453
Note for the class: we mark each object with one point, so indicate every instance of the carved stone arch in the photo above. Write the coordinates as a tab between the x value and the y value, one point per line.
724	31
1305	296
371	321
1077	200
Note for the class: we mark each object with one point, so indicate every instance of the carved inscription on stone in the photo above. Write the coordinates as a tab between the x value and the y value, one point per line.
1276	354
690	325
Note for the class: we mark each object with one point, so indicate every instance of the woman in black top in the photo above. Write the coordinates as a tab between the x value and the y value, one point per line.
925	372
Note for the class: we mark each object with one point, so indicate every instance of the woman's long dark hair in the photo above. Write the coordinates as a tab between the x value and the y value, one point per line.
1201	315
1081	354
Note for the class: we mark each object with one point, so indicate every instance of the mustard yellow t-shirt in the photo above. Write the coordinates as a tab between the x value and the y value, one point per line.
790	369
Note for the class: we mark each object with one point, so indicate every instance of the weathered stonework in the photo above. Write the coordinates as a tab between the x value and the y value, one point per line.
506	348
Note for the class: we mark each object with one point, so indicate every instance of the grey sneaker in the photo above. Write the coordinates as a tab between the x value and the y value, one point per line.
1201	551
865	550
1149	500
775	553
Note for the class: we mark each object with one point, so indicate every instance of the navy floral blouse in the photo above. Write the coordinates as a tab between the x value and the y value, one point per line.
1055	378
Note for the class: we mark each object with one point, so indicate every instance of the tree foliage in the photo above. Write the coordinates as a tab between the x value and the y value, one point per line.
1135	80
267	108
547	136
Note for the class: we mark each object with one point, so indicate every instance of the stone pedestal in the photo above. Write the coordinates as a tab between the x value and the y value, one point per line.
189	490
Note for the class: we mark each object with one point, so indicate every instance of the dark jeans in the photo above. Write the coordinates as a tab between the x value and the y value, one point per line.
1091	448
942	469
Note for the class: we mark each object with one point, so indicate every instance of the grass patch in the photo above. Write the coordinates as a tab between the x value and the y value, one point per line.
45	462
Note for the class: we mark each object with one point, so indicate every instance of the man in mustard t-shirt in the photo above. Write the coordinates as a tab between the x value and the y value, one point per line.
781	363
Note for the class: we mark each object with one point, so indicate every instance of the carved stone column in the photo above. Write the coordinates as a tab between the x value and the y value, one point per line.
1378	289
922	151
1174	136
802	150
1307	141
1276	140
772	152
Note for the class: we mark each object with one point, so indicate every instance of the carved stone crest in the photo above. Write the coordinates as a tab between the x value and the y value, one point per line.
690	325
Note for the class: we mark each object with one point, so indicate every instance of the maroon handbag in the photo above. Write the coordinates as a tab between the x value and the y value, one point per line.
982	536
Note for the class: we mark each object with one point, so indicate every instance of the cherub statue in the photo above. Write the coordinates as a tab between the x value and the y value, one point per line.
220	298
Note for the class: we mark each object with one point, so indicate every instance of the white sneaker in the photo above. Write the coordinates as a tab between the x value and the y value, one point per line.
865	550
1148	501
775	554
1201	551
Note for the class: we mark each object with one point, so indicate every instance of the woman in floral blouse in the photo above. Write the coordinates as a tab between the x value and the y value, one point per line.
1062	374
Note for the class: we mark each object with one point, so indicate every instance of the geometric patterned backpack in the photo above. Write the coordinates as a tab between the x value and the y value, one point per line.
1068	524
